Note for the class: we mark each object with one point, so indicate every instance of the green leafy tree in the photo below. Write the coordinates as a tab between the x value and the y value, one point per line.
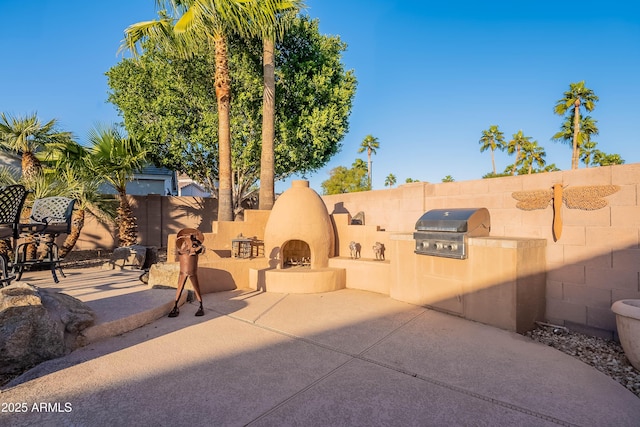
343	180
369	144
115	157
208	23
409	180
168	101
576	97
448	178
492	139
390	180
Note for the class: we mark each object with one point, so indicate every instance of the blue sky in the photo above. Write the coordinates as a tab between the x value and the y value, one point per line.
431	75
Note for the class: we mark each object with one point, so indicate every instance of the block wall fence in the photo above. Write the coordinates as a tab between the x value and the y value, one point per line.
594	263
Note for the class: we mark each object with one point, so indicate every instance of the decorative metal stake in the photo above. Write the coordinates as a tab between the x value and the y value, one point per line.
188	248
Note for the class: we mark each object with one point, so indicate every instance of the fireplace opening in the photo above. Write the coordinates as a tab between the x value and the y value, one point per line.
296	253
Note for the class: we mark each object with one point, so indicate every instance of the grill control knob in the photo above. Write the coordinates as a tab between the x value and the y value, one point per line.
439	245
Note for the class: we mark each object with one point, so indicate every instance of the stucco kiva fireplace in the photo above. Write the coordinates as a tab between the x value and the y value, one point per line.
299	239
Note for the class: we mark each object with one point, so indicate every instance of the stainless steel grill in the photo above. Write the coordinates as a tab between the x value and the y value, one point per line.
444	232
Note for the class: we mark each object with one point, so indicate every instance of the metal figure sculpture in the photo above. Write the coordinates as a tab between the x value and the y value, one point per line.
188	248
378	250
354	250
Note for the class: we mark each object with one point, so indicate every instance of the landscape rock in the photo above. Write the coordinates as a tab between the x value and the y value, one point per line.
38	325
163	275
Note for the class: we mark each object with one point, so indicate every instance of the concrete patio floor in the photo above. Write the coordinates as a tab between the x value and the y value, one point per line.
348	357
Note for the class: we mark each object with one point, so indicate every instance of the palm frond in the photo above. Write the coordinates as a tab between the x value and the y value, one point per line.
9	175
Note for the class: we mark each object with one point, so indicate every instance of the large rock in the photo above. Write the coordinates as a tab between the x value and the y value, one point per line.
38	325
165	275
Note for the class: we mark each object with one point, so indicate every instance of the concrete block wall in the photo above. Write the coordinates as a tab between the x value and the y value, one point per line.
595	262
158	217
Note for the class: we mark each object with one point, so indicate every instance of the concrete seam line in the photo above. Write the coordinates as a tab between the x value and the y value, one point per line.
400	370
299	392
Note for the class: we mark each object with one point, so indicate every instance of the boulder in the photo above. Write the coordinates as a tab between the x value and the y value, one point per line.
164	275
37	325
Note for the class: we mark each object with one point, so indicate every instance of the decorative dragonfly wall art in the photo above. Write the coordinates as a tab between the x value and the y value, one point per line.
590	197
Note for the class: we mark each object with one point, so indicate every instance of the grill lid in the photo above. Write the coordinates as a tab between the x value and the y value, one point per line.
474	220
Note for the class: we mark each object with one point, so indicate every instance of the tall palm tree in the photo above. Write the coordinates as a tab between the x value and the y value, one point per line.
390	180
28	135
208	22
515	146
269	32
115	157
588	128
492	139
370	144
578	95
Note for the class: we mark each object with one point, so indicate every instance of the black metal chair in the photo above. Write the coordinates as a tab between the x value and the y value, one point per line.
50	218
11	202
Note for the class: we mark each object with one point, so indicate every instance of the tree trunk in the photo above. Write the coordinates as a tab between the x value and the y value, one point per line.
515	163
267	171
493	161
127	227
223	95
369	166
31	166
77	222
576	131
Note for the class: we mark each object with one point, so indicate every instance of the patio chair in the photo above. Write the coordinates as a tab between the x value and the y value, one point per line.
50	218
11	202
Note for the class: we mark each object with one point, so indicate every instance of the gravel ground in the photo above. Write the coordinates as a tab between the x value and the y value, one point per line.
604	355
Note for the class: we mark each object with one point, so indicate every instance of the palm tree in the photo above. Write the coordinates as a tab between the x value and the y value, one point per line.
578	95
492	139
533	153
69	167
515	146
588	128
587	151
115	157
390	180
370	144
603	159
28	136
269	32
208	22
